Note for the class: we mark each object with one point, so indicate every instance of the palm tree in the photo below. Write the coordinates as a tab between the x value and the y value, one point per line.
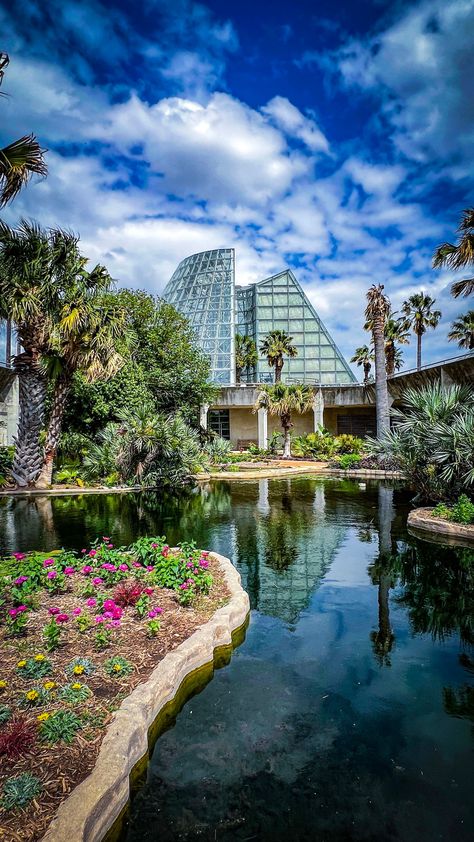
376	313
283	400
246	356
462	331
275	346
364	356
460	255
419	317
85	339
396	333
19	160
33	264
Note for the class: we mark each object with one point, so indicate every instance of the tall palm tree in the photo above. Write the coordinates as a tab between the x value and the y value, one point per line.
284	400
462	331
275	346
85	339
20	159
33	263
246	356
419	317
364	356
460	255
376	313
396	333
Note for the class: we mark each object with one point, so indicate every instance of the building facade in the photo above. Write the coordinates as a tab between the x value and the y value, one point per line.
203	289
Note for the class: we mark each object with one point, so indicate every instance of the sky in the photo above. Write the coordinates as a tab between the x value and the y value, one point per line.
333	138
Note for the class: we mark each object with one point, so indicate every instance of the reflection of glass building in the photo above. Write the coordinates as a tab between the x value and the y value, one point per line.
203	289
6	343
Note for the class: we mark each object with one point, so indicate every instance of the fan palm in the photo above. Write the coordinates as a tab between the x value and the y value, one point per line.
462	331
459	256
275	346
364	356
19	160
84	339
284	400
33	267
396	333
419	317
246	356
376	313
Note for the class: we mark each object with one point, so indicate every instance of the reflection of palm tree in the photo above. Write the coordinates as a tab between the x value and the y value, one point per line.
459	702
382	574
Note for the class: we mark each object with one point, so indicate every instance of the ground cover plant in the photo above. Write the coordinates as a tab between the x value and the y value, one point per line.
462	511
80	630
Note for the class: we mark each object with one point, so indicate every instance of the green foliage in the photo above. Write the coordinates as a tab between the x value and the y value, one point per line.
80	666
75	693
61	726
6	460
152	628
142	605
69	476
218	450
347	460
36	667
117	667
462	511
323	445
52	635
18	791
102	638
5	714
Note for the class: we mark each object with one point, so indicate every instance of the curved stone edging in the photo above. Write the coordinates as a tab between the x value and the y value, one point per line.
422	520
93	807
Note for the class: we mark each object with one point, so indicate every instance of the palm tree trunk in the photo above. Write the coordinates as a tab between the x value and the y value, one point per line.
418	351
60	396
32	392
238	374
278	368
286	425
381	391
366	373
390	359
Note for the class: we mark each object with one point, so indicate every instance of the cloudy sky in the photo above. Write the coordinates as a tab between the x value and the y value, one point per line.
335	138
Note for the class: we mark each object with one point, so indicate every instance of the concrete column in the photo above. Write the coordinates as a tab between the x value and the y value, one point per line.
263	505
262	427
446	380
318	410
203	410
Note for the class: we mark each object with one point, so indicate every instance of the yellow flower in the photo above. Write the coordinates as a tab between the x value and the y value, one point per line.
32	695
76	685
48	685
3	685
78	669
39	657
43	717
117	667
21	664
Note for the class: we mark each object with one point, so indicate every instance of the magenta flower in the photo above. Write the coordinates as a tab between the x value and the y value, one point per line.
54	610
158	610
13	612
83	551
136	564
165	551
109	604
92	553
97	581
204	553
123	568
148	591
51	575
19	556
86	570
183	586
20	580
203	562
99	618
154	546
151	614
105	539
115	623
110	546
62	618
77	611
69	571
189	564
91	602
48	562
110	567
150	568
21	609
109	615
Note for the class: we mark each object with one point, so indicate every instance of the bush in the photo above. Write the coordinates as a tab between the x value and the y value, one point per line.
17	738
6	462
60	726
460	512
218	450
347	460
346	443
19	791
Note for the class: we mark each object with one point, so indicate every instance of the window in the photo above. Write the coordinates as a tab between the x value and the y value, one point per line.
218	422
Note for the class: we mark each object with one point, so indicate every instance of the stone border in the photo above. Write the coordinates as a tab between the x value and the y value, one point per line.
303	470
421	519
96	804
60	491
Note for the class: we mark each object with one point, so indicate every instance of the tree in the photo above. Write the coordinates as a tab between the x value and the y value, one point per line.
364	356
376	313
246	356
284	400
459	256
396	333
275	346
20	159
85	339
34	265
419	317
462	331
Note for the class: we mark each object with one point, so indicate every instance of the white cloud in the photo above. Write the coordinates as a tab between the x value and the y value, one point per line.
290	120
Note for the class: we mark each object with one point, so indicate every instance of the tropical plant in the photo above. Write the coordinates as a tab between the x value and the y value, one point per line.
20	159
376	313
433	440
246	356
419	317
462	331
275	346
17	738
396	333
460	255
283	401
218	450
364	357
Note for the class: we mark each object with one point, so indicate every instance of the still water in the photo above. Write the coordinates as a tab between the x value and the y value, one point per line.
347	713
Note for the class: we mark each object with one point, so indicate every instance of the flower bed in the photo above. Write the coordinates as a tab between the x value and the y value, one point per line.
79	632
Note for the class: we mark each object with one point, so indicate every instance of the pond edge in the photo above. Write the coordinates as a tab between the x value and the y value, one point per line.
422	520
95	809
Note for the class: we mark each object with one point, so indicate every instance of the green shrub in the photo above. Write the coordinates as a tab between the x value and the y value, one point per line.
6	462
347	443
347	460
218	450
61	726
463	510
19	791
75	692
37	667
118	667
5	714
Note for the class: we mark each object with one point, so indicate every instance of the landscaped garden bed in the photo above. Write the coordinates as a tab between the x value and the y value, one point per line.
79	632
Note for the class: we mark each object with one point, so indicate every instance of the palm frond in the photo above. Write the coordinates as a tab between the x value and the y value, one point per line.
18	162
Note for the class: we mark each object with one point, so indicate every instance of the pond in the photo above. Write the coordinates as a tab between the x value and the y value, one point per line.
347	713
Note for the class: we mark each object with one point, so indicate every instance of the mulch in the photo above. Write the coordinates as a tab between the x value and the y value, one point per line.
61	767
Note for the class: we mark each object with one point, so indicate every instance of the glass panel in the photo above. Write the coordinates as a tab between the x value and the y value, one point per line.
327	351
264	299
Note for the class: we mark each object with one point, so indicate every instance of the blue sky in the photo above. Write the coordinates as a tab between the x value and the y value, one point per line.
335	138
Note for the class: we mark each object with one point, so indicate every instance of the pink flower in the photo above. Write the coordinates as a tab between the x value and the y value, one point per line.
83	551
123	568
150	568
203	562
97	581
51	575
92	553
183	586
105	539
48	562
21	609
165	551
154	546
77	611
19	556
189	564
109	615
151	614
62	618
91	602
158	610
86	570
190	581
136	564
115	624
111	567
20	580
110	546
109	604
195	571
204	553
13	612
54	611
69	571
148	591
99	618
